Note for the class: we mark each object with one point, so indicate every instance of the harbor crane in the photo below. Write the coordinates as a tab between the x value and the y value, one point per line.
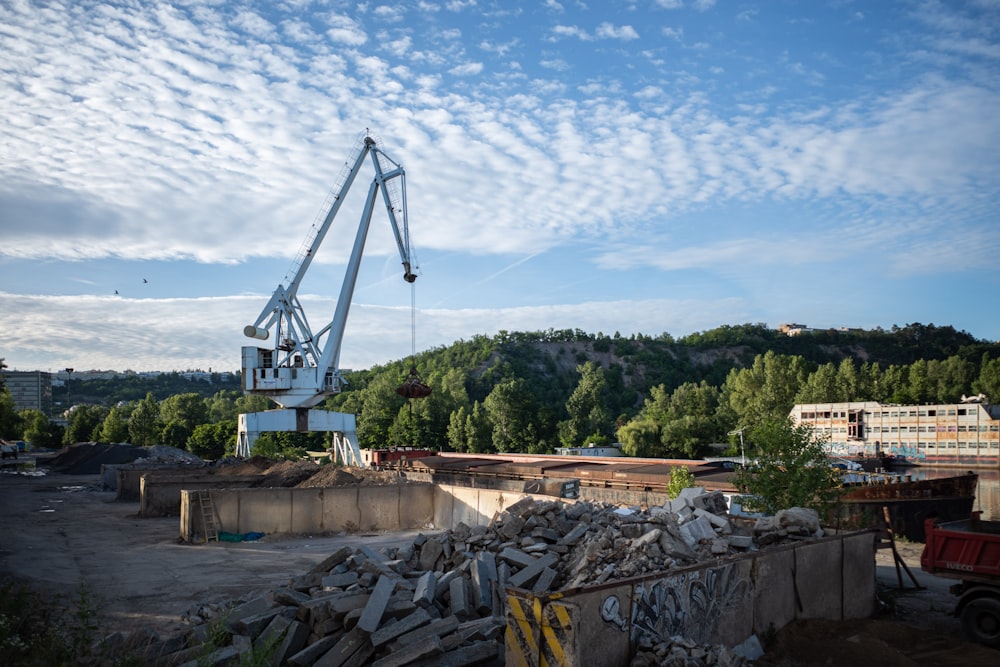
301	368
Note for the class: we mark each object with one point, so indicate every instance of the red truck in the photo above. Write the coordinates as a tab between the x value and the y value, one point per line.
969	550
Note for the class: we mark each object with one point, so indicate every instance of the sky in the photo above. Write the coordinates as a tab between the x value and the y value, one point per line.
639	166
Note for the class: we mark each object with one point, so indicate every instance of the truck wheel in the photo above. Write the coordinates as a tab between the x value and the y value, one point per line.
981	621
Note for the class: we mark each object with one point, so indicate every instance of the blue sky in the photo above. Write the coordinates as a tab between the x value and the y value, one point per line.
641	166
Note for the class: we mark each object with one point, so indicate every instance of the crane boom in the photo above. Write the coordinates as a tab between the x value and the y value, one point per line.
302	367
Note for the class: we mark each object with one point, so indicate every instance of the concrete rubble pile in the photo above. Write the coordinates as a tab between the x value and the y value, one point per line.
440	600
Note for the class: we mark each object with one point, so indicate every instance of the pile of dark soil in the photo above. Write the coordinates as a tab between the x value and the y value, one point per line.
288	473
86	458
330	475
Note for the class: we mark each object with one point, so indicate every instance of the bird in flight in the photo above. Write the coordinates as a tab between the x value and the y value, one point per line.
144	280
116	291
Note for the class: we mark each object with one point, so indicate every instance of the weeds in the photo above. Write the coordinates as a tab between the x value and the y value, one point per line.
39	630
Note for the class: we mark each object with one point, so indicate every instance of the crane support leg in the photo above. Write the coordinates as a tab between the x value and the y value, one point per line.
302	420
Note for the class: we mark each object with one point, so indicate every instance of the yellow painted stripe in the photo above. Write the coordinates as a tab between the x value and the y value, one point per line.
554	648
523	641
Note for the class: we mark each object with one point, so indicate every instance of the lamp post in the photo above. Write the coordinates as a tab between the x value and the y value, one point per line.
69	376
743	456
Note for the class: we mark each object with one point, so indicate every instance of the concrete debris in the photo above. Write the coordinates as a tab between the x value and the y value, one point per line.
680	652
440	600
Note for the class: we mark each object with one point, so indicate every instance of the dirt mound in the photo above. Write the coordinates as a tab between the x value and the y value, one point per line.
288	473
86	458
253	466
330	475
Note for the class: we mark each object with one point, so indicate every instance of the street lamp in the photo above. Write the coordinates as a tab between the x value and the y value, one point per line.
743	456
69	376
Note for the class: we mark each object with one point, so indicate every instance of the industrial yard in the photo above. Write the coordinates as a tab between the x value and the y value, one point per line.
65	531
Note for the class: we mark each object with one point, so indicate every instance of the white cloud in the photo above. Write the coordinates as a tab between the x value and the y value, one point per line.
345	30
610	31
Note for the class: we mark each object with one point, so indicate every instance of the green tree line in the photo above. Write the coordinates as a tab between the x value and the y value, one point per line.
535	391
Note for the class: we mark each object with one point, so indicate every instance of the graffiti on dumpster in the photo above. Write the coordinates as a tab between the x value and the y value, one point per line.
611	611
689	605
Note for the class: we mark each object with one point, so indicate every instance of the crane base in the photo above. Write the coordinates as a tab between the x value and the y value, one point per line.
302	420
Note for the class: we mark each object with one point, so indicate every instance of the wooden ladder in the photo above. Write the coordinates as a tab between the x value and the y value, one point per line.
209	519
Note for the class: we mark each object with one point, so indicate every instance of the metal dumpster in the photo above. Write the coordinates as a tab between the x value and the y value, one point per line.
719	602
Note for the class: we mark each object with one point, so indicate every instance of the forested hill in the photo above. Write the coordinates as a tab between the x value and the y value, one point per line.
535	391
538	390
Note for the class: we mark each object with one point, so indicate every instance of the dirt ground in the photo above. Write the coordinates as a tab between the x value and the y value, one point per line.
62	533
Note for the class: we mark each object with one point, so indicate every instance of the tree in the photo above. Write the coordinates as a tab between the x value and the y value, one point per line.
766	391
689	423
791	469
180	414
510	407
144	422
115	426
39	431
820	386
988	382
587	406
10	423
478	431
641	437
379	410
84	423
222	405
951	378
680	478
213	441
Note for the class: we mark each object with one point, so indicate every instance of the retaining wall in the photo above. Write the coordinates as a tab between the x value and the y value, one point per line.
592	493
343	508
160	493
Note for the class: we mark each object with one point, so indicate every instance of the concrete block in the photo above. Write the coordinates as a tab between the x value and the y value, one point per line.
426	648
253	625
423	594
379	600
545	579
339	580
740	541
387	633
719	522
333	560
438	627
574	535
251	607
310	654
290	597
293	642
482	652
484	571
696	530
444	581
430	552
528	574
516	557
461	606
217	658
342	651
342	603
276	628
373	554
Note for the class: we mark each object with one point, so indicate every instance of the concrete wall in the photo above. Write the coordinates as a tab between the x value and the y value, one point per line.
593	493
722	602
364	508
160	494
